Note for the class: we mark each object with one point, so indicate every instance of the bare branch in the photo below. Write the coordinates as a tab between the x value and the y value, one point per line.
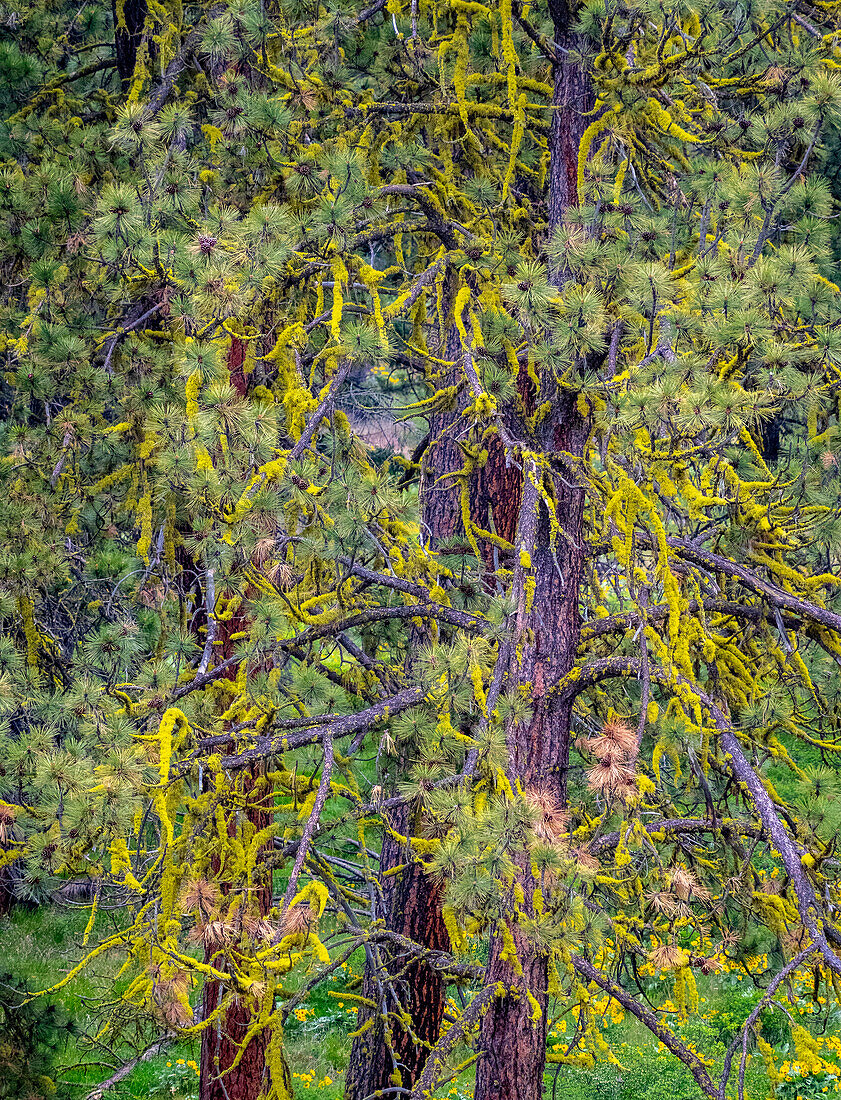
765	1000
776	596
126	1069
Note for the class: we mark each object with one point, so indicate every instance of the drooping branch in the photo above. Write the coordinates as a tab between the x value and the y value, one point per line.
462	619
776	596
438	960
629	620
790	851
689	1058
437	1059
792	854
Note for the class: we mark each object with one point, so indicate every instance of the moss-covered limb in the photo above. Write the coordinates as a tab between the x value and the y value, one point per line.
209	741
644	1014
444	961
312	822
680	826
773	593
381	670
541	41
436	1063
741	1039
597	628
372	576
451	234
341	727
325	404
160	93
795	858
371	11
201	680
102	65
134	318
430	610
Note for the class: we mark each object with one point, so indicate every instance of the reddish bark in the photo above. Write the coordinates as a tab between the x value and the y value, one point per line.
575	97
495	504
411	901
496	488
222	1041
513	1032
411	907
236	365
220	1046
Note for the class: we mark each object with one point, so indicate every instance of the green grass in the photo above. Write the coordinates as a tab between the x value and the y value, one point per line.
42	945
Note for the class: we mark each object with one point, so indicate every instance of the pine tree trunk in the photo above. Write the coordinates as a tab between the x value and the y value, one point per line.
411	901
412	908
495	504
221	1042
127	32
513	1035
220	1046
513	1032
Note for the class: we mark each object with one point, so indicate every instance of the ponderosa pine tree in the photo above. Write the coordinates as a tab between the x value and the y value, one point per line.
593	234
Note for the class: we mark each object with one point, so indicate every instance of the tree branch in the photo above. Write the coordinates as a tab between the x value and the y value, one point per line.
435	1063
312	821
742	1039
126	1069
775	595
340	727
689	1058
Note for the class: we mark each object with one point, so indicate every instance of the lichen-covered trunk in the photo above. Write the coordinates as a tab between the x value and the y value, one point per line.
513	1035
513	1032
386	1053
222	1041
574	99
129	20
220	1045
